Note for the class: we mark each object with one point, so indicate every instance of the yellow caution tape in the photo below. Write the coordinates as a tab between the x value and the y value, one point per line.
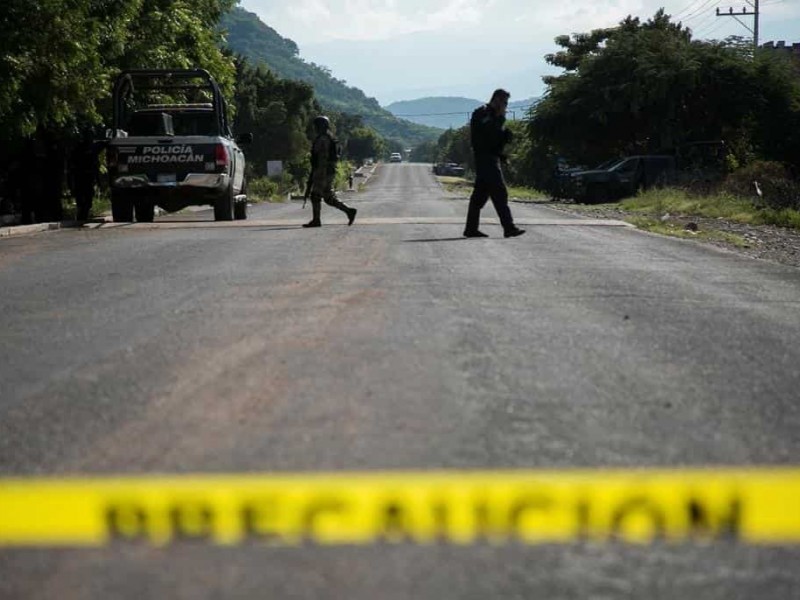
529	507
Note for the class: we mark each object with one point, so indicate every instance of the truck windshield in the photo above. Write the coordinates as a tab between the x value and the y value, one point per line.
195	123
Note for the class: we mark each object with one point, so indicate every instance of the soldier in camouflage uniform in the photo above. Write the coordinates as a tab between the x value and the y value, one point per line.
324	155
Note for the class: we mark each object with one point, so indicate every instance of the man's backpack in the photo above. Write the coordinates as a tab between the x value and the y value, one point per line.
334	154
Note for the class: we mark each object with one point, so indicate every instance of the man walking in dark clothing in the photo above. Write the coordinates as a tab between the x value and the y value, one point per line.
488	140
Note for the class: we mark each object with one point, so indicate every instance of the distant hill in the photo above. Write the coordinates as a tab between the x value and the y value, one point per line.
252	38
449	111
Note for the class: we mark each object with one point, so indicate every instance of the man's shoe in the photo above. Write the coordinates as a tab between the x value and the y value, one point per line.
514	232
312	224
474	234
351	215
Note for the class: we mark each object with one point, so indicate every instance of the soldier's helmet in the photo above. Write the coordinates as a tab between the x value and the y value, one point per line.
322	124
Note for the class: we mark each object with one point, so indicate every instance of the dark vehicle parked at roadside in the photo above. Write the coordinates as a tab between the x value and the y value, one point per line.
171	146
696	164
448	169
623	178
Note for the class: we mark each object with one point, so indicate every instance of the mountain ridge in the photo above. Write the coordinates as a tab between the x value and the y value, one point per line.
250	37
445	112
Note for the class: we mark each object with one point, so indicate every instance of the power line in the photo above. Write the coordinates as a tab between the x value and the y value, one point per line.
688	8
697	12
713	28
712	18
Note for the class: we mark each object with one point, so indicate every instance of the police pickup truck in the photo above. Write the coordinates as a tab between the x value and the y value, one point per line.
171	146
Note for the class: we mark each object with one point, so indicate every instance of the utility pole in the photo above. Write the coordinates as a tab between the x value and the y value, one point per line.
755	13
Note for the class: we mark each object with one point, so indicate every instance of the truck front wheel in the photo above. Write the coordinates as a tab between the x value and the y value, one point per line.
121	208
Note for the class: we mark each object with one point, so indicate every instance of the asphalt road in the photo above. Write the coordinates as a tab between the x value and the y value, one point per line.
189	346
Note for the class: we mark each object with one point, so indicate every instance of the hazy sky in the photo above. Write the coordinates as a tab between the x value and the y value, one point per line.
404	49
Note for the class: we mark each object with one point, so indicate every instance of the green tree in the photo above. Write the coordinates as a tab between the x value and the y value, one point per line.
424	152
278	113
648	87
58	59
364	143
454	146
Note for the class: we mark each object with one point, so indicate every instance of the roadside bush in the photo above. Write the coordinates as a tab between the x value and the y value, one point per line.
343	170
262	188
780	195
779	190
271	189
285	182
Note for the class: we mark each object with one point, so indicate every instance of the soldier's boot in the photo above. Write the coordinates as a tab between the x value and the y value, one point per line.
316	210
333	201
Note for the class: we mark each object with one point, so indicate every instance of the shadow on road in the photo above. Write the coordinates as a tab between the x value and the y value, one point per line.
451	239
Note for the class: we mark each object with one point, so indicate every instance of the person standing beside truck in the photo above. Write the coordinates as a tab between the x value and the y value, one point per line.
84	173
324	157
488	139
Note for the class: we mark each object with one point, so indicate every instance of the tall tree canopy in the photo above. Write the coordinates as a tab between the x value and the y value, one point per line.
58	57
277	112
649	87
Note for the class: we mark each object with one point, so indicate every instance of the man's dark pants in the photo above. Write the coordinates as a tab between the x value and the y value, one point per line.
489	183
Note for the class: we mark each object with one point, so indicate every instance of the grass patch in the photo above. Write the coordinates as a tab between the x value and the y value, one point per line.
449	180
680	202
677	230
782	218
720	205
524	193
461	185
455	185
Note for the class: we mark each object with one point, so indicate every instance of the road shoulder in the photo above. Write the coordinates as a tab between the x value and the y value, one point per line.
765	242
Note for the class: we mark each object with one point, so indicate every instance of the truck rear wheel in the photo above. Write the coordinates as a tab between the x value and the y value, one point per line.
223	208
121	209
240	211
240	208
